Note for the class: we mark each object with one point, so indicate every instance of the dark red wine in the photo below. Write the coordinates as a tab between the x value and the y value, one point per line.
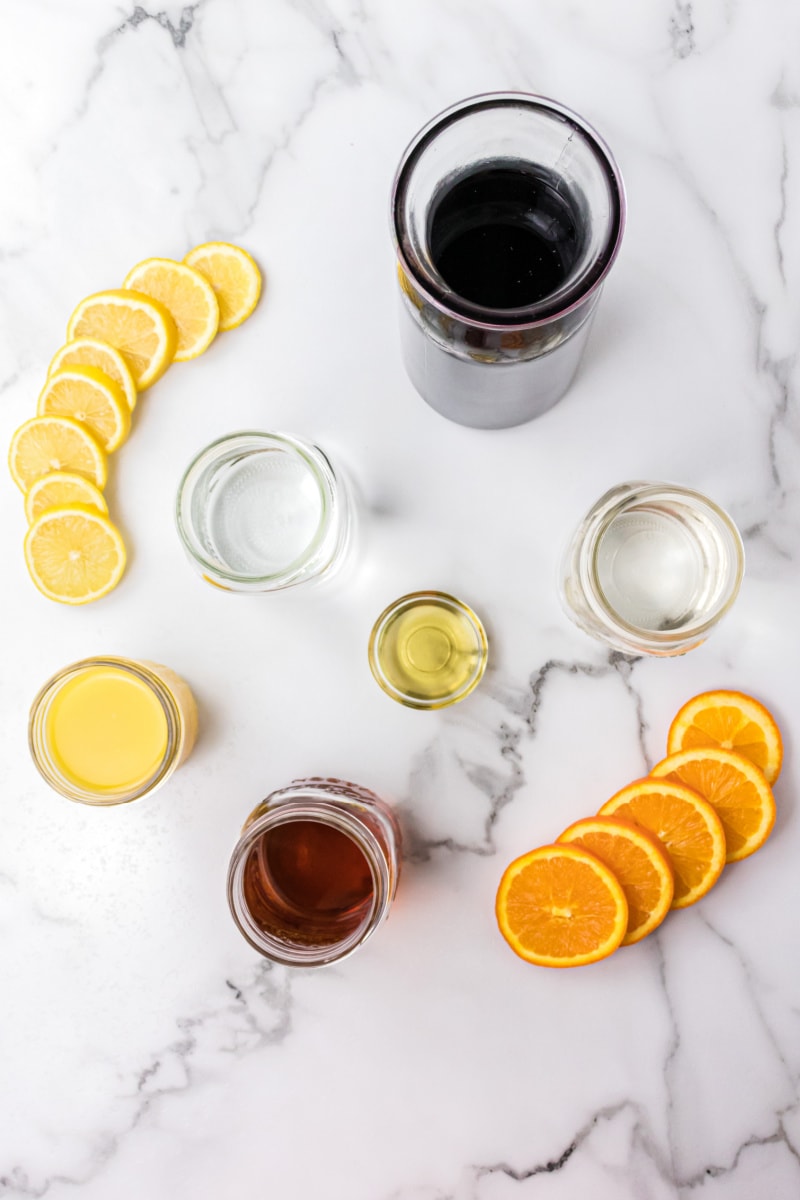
505	236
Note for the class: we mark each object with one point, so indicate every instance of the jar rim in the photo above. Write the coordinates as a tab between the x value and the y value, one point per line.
310	803
599	520
538	314
324	476
45	762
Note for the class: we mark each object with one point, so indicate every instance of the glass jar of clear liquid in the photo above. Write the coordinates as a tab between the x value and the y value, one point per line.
259	512
652	568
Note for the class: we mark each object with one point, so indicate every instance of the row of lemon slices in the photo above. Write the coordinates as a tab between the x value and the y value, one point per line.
119	343
658	844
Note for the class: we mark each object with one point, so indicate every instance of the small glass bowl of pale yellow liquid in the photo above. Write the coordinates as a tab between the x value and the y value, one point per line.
428	650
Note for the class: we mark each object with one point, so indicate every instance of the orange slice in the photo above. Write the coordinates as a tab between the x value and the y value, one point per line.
46	444
91	397
234	276
90	352
74	554
561	907
730	721
138	326
187	295
639	862
685	824
734	787
60	489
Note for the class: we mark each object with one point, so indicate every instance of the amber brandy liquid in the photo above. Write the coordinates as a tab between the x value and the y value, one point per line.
308	883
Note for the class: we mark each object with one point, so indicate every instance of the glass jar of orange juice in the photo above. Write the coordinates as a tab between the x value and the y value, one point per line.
109	730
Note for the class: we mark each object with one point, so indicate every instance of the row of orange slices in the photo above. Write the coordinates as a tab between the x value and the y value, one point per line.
120	342
660	843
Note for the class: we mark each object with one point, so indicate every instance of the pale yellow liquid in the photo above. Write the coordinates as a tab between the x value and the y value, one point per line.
106	730
429	652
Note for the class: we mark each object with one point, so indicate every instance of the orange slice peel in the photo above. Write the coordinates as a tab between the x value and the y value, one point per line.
728	720
558	906
638	860
735	788
685	824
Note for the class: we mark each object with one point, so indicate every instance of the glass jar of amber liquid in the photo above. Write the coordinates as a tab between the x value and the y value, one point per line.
314	872
107	731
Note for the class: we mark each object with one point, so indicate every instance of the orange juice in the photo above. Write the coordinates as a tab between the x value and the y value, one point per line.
104	731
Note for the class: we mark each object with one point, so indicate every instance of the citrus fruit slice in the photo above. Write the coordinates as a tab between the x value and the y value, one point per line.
639	862
734	787
685	824
61	488
233	275
137	325
731	721
74	554
561	907
187	295
89	396
46	444
91	352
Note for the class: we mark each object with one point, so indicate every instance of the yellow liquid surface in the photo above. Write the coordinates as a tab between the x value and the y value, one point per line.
430	652
106	730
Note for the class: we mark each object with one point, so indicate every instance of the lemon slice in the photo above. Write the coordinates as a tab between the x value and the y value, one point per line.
187	296
234	276
91	352
89	396
137	325
74	554
46	444
61	488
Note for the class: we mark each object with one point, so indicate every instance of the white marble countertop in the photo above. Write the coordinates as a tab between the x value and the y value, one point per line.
146	1051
